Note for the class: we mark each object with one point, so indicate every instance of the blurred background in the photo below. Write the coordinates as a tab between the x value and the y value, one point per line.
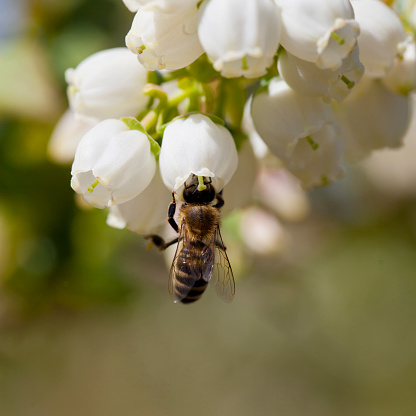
323	322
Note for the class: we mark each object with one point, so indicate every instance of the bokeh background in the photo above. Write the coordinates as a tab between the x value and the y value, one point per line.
323	325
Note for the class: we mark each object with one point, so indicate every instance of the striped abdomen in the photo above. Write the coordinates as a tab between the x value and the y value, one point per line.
191	266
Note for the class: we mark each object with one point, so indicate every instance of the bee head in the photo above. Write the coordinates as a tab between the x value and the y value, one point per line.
198	190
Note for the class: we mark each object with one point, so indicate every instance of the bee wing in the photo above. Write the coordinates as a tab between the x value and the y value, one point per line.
222	275
183	274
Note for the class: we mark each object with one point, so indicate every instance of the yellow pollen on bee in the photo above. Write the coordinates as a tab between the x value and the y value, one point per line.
90	189
201	185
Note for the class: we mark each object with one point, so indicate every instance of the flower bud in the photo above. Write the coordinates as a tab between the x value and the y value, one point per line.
241	38
108	84
165	38
382	37
112	164
323	32
195	144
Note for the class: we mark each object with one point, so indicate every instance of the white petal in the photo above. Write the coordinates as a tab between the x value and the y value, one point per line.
310	29
241	38
144	213
195	144
372	117
382	36
108	84
165	39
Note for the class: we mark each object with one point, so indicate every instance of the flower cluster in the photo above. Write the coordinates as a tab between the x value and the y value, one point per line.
301	85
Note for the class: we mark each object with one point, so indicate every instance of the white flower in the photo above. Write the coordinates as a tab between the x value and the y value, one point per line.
372	117
165	38
382	36
195	144
305	77
240	37
145	212
301	131
66	135
112	164
401	78
320	31
107	84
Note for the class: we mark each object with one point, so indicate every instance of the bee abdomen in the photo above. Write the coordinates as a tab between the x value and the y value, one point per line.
187	288
196	292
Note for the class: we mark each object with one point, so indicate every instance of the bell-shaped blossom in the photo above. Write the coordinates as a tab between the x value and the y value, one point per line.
401	78
108	84
301	131
165	37
240	37
144	213
382	37
196	144
319	31
372	117
112	164
66	136
305	77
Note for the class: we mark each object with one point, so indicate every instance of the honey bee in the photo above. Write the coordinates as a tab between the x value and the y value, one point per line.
200	256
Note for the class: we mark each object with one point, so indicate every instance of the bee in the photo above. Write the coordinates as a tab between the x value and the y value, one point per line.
200	256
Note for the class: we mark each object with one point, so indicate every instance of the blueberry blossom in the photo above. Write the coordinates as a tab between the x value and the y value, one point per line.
301	131
164	35
107	84
372	117
319	31
113	163
305	77
382	37
240	37
195	144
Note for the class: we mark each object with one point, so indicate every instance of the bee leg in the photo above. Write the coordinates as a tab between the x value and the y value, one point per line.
220	200
159	242
171	214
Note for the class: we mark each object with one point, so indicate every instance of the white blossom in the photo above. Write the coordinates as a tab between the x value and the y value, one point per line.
372	117
112	164
305	77
108	84
382	37
401	78
301	131
165	38
240	37
319	31
144	213
195	144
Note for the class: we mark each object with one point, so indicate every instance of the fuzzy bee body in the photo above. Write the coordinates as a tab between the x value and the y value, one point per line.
200	256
